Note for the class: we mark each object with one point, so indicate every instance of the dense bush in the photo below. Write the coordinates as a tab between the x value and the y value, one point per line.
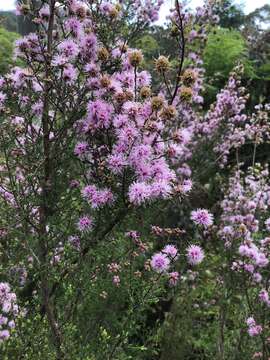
134	217
6	49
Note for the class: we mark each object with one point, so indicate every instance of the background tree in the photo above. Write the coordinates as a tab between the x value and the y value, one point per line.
7	40
8	20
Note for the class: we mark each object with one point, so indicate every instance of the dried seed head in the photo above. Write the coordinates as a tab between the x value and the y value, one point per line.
114	12
120	97
174	31
157	102
105	81
189	77
169	112
81	12
128	95
186	93
25	9
145	92
135	58
103	54
162	64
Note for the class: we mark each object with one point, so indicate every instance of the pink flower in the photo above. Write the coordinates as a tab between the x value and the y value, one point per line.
69	48
202	217
143	78
255	330
4	335
69	74
186	186
2	99
116	280
173	278
257	277
99	115
73	26
88	45
160	262
267	224
44	12
264	297
97	198
171	251
195	254
81	148
139	192
250	321
85	223
116	163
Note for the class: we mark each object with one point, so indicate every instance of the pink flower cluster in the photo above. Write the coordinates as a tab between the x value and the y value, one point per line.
253	328
195	254
202	217
162	261
9	310
95	197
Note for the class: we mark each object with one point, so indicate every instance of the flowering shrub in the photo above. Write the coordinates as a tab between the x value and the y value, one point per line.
9	311
90	150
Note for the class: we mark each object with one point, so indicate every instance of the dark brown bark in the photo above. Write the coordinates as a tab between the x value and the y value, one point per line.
44	212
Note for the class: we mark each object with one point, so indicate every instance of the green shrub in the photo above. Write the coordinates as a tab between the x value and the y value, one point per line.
7	39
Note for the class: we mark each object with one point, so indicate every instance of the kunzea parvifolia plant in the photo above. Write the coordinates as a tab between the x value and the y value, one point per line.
91	157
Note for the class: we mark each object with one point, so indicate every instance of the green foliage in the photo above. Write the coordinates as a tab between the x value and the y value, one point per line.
149	45
223	50
231	15
7	39
8	20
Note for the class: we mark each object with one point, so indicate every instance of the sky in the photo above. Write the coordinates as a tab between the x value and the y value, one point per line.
249	5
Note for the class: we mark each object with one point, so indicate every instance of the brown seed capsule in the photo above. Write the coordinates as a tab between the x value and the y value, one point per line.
25	9
120	97
157	102
103	54
242	228
162	64
129	95
169	112
145	92
174	31
138	274
118	7
124	48
186	93
189	77
88	30
105	81
114	12
19	129
135	57
81	12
